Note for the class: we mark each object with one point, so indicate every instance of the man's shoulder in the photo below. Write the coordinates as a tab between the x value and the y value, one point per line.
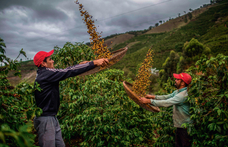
183	93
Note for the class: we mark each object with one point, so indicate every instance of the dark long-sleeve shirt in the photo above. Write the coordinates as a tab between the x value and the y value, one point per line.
48	98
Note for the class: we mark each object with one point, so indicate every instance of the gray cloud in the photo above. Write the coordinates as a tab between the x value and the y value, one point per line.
40	24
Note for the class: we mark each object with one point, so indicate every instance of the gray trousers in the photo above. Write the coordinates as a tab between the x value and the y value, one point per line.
49	131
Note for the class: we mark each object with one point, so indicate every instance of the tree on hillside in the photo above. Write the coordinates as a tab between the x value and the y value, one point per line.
179	14
150	27
190	9
156	24
185	12
185	19
170	66
212	1
193	48
190	15
160	21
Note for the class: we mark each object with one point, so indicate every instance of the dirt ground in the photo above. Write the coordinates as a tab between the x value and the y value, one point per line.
117	39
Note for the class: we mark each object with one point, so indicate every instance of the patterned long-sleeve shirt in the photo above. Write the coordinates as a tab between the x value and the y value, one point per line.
180	105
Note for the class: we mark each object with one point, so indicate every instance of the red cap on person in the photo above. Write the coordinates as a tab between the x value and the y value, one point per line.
40	56
183	76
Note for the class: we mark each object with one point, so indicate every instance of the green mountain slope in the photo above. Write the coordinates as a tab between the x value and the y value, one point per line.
210	28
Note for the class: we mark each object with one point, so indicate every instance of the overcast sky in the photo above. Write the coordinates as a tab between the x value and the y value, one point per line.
39	25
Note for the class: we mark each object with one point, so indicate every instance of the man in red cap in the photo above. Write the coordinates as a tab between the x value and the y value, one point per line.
177	99
47	125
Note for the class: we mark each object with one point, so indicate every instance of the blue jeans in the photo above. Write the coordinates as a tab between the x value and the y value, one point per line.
49	131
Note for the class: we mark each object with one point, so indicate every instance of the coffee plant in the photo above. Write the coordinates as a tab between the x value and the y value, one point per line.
72	54
17	106
96	109
209	99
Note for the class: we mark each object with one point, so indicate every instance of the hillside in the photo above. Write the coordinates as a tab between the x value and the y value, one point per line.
208	25
28	73
210	28
177	22
117	40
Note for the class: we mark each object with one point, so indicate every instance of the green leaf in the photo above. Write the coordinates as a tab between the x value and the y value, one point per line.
140	138
210	126
219	111
2	137
218	129
219	123
211	119
225	126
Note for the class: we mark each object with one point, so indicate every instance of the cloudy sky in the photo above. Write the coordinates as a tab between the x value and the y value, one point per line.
36	25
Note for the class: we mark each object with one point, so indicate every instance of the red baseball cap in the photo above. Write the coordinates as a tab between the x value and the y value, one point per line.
40	56
183	76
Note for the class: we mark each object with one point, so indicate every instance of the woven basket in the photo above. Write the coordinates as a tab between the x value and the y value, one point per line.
116	56
135	98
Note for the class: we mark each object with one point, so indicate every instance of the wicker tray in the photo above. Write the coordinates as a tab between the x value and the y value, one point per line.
135	98
116	56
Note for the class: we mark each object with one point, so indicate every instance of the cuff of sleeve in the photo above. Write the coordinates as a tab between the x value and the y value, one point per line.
152	101
92	63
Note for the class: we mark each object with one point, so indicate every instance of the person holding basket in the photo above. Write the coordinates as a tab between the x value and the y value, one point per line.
48	78
177	99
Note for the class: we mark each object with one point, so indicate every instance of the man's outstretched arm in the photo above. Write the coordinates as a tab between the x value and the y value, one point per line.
54	75
164	103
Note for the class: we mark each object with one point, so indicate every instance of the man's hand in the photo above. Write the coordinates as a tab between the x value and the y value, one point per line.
144	100
84	62
100	62
150	96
